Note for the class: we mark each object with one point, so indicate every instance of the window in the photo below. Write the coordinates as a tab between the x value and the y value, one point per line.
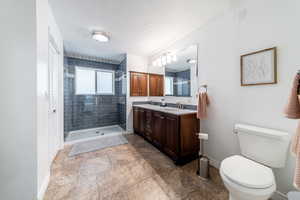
169	85
105	82
85	81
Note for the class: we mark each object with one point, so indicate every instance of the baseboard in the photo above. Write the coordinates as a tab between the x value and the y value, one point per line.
215	163
44	187
279	196
127	132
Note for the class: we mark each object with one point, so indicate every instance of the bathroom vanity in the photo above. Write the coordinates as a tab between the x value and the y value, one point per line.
173	131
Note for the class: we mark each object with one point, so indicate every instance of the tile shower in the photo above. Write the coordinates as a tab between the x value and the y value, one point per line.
182	82
93	115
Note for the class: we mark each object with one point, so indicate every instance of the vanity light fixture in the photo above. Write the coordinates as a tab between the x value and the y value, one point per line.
159	63
174	58
100	36
169	58
191	61
165	59
154	63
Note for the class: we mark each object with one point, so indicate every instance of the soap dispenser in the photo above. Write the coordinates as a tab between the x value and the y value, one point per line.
163	103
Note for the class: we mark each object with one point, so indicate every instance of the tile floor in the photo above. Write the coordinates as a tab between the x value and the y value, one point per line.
134	171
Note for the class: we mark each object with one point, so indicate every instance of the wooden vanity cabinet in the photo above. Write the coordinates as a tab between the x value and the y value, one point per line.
148	124
171	145
158	129
156	85
136	120
138	84
174	135
139	121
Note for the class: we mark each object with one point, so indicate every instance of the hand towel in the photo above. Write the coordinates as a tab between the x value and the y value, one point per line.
292	111
203	102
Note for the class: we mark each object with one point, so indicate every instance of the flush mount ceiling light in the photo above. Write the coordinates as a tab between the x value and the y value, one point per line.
100	36
191	61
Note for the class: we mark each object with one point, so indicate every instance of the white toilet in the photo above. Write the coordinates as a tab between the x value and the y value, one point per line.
249	177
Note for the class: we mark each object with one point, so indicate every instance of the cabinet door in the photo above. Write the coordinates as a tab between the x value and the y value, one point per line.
134	84
136	122
189	142
156	85
142	121
143	84
158	129
171	136
148	124
153	87
160	86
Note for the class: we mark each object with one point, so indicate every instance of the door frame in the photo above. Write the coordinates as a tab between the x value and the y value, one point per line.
59	140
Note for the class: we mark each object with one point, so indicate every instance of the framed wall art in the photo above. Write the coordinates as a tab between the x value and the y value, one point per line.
259	68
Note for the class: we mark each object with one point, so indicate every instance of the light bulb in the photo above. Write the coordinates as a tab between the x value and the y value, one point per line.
164	60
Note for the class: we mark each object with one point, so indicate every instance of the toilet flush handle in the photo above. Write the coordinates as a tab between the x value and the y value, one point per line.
235	131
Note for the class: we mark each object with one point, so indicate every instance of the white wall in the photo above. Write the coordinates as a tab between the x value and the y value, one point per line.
18	139
138	64
251	26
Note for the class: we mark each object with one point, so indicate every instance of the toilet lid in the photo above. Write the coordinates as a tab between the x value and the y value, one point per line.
247	173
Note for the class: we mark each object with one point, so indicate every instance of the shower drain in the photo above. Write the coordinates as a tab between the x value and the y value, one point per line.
99	133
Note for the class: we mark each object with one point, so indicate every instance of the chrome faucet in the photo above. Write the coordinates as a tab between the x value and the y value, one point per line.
163	103
179	105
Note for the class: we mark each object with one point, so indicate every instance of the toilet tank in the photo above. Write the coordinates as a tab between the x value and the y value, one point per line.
266	146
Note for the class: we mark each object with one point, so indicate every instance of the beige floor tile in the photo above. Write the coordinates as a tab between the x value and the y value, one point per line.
134	171
148	189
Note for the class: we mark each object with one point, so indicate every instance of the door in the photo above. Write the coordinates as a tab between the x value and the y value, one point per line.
143	84
134	84
148	124
153	85
171	136
160	85
138	84
158	129
156	85
53	137
136	121
142	123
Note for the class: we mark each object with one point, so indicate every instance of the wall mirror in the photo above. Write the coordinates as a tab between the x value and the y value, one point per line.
181	73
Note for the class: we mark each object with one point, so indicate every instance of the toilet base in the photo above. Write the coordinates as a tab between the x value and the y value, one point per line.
234	198
231	197
237	192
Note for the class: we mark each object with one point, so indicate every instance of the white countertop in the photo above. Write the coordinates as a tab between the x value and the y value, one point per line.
170	110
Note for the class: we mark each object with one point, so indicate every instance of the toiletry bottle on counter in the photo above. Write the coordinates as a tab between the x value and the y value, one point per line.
163	103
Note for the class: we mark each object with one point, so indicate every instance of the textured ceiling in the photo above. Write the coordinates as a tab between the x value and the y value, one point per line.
136	26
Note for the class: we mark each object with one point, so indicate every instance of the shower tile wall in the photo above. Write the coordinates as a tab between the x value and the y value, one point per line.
92	111
121	92
181	89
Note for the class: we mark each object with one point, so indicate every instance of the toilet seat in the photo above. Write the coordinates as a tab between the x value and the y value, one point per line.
247	173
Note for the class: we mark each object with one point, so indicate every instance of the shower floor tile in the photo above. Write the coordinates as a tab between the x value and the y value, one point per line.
90	133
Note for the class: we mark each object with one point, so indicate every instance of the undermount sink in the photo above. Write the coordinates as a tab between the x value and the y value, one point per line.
171	109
